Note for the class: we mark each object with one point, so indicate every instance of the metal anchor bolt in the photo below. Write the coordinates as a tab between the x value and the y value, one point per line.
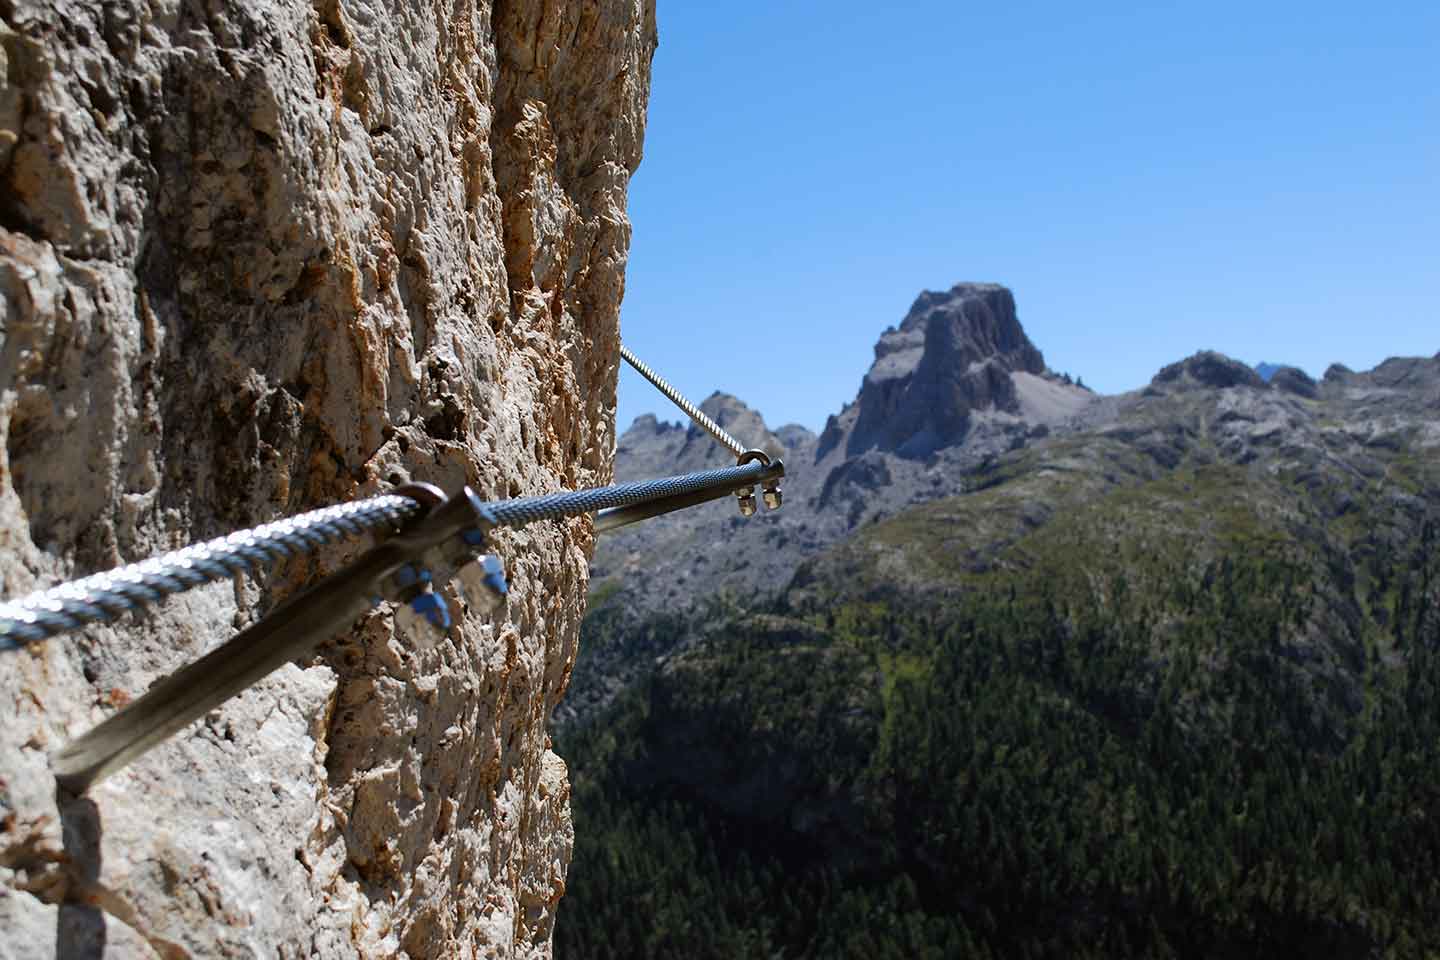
420	612
478	577
482	583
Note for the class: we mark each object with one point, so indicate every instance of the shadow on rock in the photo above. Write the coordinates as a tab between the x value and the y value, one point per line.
79	926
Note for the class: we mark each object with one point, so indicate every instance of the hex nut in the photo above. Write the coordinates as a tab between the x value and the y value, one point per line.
773	499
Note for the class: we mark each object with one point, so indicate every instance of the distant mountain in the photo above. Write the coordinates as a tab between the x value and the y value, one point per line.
955	393
1289	377
958	381
953	357
1019	670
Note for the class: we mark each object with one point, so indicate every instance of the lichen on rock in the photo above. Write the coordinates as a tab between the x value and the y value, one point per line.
257	257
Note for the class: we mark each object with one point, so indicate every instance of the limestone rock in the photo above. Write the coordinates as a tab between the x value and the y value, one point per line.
256	257
953	354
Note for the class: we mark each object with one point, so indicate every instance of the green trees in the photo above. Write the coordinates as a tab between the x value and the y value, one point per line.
1028	770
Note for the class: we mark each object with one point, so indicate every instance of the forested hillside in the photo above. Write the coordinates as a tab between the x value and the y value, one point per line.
1131	695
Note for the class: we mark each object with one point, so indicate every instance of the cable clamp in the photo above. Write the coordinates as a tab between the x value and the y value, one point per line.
459	559
770	486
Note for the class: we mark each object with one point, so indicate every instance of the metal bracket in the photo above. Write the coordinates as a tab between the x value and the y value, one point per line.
478	577
448	531
771	485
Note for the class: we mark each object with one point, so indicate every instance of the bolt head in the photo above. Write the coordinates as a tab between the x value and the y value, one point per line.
773	499
424	619
482	583
747	504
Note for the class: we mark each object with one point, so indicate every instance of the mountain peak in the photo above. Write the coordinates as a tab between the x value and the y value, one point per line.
1207	369
1266	369
653	447
952	354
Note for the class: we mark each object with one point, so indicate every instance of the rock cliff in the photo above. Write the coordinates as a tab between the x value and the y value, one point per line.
951	356
257	257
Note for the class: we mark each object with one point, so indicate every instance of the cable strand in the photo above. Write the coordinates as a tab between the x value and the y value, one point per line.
104	596
676	397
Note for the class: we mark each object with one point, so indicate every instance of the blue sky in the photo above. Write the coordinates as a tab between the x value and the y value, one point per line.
1258	178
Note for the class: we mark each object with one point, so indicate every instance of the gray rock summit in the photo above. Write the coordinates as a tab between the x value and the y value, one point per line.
1208	370
952	355
1293	380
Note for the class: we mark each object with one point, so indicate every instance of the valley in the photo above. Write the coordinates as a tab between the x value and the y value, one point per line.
1021	670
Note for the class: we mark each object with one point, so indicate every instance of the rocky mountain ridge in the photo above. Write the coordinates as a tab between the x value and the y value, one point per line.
952	356
995	408
1077	708
956	381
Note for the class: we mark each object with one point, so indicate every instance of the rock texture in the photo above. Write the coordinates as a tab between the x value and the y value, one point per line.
1207	370
258	257
1293	380
952	355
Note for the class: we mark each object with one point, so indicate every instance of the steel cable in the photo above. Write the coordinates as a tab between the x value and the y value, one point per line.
691	411
104	596
572	503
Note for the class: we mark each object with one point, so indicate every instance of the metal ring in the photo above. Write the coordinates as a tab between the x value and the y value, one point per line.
752	455
427	495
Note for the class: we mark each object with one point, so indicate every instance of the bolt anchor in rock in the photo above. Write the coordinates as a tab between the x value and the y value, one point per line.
420	612
478	578
746	495
481	583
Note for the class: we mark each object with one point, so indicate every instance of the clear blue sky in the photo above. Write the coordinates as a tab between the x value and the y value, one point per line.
1259	178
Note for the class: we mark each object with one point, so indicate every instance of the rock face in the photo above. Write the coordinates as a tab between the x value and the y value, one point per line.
256	258
952	354
1293	380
